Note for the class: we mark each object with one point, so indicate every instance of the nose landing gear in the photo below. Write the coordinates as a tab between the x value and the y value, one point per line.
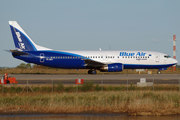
158	72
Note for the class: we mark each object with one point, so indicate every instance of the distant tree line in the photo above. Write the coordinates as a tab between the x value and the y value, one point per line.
28	65
24	65
178	66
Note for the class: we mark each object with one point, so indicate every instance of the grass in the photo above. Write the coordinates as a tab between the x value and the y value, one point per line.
132	102
86	87
108	99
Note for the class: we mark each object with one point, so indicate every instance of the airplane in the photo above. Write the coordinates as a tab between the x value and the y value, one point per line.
104	61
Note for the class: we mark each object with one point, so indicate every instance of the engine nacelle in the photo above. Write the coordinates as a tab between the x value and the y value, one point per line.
115	67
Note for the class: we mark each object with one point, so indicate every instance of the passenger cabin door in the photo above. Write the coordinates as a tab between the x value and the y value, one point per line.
42	57
157	57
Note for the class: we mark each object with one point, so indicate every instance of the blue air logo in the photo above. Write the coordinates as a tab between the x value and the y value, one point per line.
21	45
132	54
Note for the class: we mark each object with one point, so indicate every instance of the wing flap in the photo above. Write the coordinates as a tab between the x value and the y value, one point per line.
93	64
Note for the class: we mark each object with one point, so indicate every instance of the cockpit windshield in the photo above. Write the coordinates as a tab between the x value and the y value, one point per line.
167	56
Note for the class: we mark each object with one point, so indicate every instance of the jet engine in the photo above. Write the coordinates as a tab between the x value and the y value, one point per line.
115	67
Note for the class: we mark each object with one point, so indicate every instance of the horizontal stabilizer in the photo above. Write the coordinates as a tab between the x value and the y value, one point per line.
18	53
7	51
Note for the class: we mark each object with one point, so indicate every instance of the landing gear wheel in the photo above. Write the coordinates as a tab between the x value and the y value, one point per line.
159	72
89	71
92	72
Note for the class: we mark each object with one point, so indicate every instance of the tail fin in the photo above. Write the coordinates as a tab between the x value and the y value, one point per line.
21	40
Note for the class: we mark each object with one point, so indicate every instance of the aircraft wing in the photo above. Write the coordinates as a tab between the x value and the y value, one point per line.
93	64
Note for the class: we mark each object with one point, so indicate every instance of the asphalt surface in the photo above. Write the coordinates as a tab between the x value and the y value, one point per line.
97	79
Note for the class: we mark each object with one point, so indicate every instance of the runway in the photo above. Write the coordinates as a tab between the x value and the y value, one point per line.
96	79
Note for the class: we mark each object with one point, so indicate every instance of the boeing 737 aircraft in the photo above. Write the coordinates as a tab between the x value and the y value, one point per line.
109	61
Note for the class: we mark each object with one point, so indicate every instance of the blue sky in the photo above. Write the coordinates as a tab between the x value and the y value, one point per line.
90	25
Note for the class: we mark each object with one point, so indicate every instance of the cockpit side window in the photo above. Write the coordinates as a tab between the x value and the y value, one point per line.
167	56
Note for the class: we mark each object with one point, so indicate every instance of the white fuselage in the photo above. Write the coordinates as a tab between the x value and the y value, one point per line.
127	57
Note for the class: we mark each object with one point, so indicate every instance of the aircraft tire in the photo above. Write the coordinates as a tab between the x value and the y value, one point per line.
159	72
94	72
89	71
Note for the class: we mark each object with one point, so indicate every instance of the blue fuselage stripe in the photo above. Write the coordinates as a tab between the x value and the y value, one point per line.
54	59
142	66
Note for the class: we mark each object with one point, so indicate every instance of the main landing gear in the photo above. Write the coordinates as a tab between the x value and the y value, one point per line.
92	71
